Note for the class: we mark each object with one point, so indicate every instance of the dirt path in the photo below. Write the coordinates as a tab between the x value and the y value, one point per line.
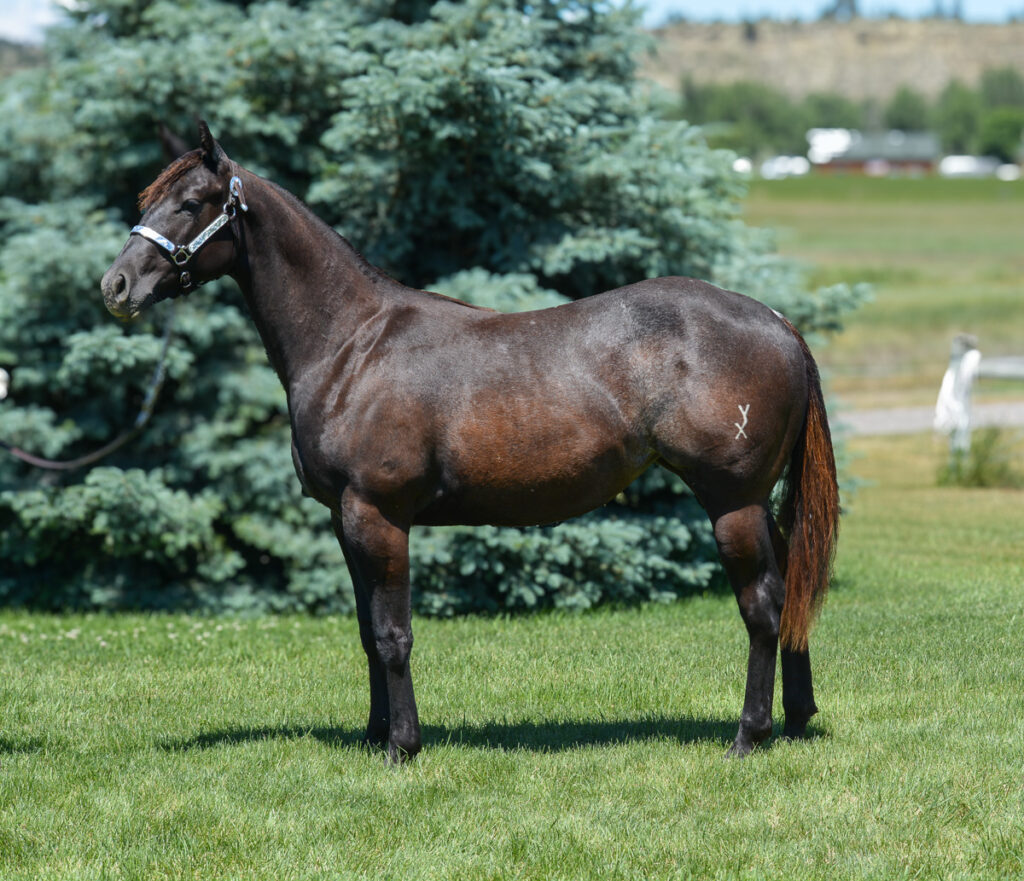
913	420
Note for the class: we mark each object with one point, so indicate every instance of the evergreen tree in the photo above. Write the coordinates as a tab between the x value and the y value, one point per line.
1002	87
957	116
907	111
751	118
495	151
1002	134
831	110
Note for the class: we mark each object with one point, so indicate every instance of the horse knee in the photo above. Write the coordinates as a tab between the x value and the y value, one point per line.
393	645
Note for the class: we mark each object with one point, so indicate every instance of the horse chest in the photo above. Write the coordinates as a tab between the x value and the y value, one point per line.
380	461
313	482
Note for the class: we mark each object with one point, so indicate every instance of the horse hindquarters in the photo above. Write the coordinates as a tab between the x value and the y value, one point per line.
780	573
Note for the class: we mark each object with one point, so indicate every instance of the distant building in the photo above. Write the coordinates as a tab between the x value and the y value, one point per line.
877	154
969	166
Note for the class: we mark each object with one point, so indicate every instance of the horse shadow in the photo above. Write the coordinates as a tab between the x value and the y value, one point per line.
13	747
503	736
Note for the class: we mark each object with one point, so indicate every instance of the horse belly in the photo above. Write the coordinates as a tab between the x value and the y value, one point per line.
515	463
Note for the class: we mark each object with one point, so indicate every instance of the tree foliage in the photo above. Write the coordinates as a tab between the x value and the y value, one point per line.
1001	133
758	120
498	152
958	116
752	118
987	120
1002	87
907	111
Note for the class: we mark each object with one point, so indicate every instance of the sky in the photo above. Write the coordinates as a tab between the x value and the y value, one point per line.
24	19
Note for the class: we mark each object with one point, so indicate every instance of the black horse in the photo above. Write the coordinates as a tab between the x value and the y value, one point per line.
409	407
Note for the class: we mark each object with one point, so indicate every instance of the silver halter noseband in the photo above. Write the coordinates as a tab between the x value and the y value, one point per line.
180	255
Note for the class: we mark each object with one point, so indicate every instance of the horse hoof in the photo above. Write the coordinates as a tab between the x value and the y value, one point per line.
796	723
398	755
795	731
402	749
739	750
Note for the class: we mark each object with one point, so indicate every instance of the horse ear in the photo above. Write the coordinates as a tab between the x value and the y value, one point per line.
173	145
213	154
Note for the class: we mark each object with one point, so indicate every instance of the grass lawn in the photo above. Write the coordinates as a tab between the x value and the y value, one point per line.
556	746
945	256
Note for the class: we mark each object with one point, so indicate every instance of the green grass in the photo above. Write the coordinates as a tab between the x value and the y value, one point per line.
945	257
555	746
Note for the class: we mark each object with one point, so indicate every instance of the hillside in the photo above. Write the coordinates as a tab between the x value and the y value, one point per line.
863	58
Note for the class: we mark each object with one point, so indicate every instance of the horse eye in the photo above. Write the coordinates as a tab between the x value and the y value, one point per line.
191	206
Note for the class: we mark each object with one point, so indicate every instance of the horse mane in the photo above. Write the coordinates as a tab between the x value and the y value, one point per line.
365	266
168	177
185	163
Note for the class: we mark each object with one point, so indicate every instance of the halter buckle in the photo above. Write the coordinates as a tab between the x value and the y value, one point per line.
181	256
235	193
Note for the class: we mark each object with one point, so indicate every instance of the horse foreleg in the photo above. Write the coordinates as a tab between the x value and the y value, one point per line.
745	546
380	714
377	551
797	685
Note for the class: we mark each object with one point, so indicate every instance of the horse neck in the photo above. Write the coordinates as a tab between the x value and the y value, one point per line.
306	287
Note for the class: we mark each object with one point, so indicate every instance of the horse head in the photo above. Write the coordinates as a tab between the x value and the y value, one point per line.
189	236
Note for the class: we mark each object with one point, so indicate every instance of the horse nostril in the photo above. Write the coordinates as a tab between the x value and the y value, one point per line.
116	291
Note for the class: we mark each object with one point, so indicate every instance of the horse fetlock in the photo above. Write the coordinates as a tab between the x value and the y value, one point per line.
754	732
377	732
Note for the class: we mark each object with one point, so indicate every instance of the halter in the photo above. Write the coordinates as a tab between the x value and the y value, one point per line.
180	255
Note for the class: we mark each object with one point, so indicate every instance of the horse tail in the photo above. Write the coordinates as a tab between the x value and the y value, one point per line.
809	515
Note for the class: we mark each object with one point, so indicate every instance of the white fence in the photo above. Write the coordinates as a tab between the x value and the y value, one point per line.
966	365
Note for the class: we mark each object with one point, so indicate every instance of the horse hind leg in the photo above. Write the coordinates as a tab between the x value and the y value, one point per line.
797	684
748	556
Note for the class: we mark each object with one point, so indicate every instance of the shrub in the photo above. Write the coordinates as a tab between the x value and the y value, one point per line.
991	461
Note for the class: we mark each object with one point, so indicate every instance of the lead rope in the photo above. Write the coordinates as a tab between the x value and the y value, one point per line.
156	383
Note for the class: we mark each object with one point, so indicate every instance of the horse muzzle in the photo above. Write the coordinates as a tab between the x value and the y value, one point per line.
117	294
123	296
